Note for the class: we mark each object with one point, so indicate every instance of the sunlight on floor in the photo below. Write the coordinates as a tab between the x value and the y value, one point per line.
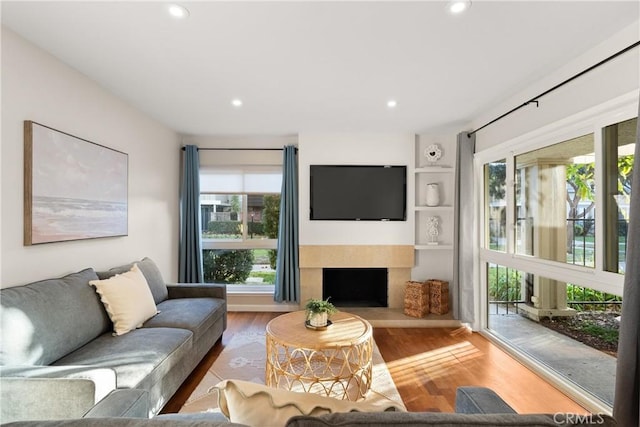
435	362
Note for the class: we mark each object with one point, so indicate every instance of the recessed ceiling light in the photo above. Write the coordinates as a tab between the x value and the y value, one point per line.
392	103
236	103
458	6
178	11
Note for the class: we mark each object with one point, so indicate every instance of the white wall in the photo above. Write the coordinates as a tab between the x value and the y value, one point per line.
355	149
38	87
613	79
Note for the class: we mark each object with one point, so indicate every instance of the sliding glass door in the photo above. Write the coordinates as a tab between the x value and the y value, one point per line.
553	244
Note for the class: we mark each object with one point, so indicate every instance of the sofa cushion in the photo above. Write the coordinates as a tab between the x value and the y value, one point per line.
127	299
210	416
480	400
254	404
151	273
140	358
187	420
43	321
420	419
194	314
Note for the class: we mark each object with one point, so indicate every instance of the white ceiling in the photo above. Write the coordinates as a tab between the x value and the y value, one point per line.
316	66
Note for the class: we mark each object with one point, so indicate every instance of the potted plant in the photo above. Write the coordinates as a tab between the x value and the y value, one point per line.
318	312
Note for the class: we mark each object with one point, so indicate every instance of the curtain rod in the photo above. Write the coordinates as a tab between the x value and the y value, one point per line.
534	100
239	149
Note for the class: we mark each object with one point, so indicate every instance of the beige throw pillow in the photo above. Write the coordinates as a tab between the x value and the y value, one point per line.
257	405
127	299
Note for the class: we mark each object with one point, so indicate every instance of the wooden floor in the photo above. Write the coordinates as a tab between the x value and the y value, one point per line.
427	365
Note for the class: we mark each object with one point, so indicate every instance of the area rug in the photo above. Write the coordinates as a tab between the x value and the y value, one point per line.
244	358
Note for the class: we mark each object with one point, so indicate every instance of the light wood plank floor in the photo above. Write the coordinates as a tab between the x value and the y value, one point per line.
427	365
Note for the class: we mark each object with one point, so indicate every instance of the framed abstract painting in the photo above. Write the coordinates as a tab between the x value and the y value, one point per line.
73	188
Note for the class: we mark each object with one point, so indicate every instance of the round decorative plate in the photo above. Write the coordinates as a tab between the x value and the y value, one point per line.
433	153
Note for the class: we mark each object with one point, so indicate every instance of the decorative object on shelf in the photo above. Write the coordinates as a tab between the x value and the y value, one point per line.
432	230
433	194
318	312
433	153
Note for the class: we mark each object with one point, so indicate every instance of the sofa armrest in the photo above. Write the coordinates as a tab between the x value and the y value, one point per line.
197	290
122	403
45	398
52	392
200	290
480	400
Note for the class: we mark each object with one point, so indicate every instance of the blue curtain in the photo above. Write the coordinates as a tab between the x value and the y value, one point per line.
287	287
190	268
626	403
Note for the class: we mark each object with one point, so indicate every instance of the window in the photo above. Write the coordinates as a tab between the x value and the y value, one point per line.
555	202
495	175
619	146
555	216
589	368
239	209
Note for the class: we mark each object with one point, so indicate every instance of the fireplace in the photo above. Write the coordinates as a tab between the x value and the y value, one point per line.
355	287
398	260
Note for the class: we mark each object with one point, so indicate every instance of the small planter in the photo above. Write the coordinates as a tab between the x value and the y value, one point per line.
318	320
318	313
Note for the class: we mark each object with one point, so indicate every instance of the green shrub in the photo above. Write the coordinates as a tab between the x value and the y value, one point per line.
273	258
606	334
504	284
256	228
271	215
224	227
580	293
227	266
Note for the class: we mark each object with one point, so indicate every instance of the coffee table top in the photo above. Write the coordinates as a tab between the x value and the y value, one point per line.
347	330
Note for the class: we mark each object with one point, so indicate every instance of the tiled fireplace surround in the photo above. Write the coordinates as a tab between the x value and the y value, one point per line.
397	259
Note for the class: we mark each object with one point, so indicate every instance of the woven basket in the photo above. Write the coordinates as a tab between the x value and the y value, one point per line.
438	296
416	299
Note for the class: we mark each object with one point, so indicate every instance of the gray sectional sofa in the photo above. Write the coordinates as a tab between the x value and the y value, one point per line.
475	406
59	357
61	366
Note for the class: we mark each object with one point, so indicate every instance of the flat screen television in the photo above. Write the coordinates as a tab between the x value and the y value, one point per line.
358	193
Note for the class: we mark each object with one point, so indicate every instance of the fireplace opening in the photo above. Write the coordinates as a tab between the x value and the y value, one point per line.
355	287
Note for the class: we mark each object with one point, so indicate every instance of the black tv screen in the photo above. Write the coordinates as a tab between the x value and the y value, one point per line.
358	193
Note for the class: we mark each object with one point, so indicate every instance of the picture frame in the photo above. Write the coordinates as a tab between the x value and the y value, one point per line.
74	189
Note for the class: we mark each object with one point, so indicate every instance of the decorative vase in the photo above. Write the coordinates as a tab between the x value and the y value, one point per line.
433	195
318	320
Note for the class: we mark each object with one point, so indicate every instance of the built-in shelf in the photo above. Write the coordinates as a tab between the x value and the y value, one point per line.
434	247
434	169
434	208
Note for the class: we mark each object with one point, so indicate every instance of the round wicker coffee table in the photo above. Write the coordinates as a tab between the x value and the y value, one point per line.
333	362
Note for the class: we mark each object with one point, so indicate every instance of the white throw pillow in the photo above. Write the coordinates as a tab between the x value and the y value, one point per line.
258	405
127	299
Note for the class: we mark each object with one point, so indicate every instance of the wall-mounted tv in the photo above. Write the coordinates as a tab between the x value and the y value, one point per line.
358	193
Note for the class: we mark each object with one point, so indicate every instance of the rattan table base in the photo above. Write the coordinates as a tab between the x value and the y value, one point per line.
334	362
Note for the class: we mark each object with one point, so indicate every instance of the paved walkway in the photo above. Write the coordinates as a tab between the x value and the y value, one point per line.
587	367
